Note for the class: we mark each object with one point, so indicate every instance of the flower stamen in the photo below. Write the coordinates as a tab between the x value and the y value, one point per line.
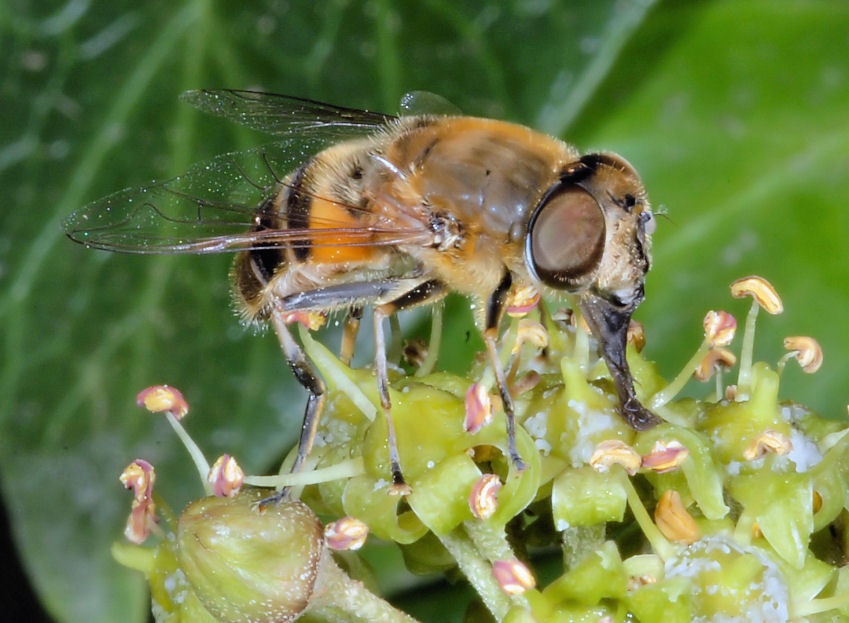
614	452
513	576
805	350
347	533
478	408
483	499
226	477
673	520
665	456
768	441
140	476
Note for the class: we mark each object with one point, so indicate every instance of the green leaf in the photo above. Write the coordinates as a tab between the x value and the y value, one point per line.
734	113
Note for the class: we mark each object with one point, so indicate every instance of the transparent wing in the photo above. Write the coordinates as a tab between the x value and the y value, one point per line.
213	207
283	115
427	103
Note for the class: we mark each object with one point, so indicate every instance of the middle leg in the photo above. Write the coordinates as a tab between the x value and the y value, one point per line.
494	311
427	292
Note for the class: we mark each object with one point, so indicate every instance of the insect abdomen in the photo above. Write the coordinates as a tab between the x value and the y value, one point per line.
254	269
323	193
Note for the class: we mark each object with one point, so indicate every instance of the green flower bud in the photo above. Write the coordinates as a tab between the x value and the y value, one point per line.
734	425
703	477
599	576
782	506
667	600
728	582
829	480
427	555
369	500
250	565
440	496
585	497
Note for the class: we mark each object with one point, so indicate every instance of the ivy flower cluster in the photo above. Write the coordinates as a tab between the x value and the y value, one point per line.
733	509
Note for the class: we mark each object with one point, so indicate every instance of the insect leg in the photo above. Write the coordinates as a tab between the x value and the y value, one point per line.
354	294
426	292
349	334
610	325
307	376
494	311
389	295
393	353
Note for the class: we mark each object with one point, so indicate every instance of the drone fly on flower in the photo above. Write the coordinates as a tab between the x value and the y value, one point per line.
349	208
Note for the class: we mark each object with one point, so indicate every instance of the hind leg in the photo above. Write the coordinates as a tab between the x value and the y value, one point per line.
401	292
307	376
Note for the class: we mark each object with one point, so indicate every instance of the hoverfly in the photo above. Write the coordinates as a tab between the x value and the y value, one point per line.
350	208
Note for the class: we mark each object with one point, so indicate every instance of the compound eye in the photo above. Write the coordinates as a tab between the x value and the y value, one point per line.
566	238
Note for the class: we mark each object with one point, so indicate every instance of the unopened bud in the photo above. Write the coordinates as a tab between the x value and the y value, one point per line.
244	564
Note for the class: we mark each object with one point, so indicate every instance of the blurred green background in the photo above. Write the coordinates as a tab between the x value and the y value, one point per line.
736	113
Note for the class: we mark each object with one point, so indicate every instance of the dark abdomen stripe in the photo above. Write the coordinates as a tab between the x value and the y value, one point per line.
266	261
298	209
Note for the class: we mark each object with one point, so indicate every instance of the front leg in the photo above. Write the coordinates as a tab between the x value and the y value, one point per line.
494	310
609	324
